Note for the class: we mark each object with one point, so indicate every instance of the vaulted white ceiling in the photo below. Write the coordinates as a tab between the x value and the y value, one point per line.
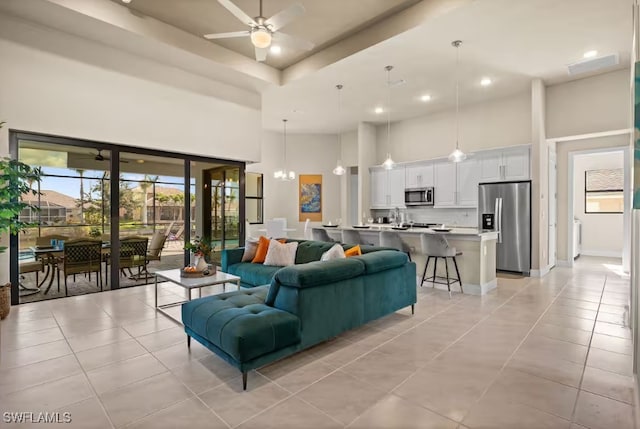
511	41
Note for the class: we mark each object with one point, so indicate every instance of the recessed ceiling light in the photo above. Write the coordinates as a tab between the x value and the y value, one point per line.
379	110
425	98
275	49
140	161
590	54
486	81
126	1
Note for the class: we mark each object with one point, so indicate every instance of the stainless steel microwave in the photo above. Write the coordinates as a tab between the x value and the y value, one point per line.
418	196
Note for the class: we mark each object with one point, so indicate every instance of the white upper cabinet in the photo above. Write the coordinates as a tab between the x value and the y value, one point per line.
395	186
378	189
387	188
445	184
468	177
516	164
419	176
505	165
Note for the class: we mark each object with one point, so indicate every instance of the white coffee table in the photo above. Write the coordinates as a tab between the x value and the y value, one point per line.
190	283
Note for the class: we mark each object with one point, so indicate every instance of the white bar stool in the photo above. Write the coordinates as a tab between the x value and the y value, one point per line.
436	246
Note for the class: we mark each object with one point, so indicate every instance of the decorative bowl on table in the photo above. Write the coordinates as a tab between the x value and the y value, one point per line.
192	272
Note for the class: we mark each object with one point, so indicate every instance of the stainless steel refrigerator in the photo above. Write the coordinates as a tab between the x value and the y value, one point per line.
505	207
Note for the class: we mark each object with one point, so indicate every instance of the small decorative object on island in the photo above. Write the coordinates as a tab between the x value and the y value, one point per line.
16	179
201	249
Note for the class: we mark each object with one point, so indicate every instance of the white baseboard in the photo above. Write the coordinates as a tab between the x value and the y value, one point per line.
561	263
602	253
540	273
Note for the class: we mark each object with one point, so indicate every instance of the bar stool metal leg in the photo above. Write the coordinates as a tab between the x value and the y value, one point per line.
424	273
435	272
455	264
446	266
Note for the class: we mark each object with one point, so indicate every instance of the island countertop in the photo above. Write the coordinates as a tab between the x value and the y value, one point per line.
459	232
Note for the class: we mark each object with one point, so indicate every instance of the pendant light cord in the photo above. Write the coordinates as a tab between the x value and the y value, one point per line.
339	88
457	44
284	121
389	68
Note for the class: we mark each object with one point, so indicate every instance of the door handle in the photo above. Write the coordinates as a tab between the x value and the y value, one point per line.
498	214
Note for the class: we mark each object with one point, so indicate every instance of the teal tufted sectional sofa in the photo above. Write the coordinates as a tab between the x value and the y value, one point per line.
298	306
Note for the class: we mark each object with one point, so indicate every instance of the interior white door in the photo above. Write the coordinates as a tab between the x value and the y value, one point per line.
445	184
553	203
468	177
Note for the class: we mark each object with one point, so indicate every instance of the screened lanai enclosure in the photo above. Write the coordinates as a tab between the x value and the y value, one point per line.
107	216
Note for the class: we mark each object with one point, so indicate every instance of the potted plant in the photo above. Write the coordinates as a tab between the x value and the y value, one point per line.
16	179
201	249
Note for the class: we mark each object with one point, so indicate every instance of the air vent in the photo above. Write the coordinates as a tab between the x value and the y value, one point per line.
592	65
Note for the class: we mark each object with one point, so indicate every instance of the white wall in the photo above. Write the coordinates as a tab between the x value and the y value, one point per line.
306	154
602	234
349	148
595	104
49	93
496	123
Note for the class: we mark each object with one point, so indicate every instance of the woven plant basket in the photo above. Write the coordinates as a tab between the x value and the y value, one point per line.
5	300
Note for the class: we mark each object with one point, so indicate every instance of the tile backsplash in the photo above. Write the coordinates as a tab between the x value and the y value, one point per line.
453	216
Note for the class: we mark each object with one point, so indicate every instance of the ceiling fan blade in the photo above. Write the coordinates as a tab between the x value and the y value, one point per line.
293	42
261	54
285	16
227	35
238	13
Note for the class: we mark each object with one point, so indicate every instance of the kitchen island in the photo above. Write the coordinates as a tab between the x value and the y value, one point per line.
477	264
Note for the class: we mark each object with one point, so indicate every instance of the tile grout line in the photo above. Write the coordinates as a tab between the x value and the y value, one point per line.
97	397
336	370
504	365
586	359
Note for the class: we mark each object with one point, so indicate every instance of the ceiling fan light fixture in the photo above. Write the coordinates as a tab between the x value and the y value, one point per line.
275	49
261	38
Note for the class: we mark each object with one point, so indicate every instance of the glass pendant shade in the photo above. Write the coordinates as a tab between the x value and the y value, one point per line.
388	163
339	170
457	156
284	174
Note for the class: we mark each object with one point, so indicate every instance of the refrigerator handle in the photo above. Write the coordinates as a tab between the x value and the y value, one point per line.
498	212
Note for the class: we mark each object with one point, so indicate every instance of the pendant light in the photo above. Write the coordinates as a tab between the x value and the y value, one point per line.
283	174
388	163
339	170
457	155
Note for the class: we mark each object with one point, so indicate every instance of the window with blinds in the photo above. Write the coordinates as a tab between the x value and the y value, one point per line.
604	191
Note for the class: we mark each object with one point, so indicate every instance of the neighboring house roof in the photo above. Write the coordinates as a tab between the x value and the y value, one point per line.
51	199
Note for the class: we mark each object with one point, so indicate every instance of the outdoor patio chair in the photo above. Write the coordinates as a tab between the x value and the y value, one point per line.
36	266
133	254
176	238
154	253
82	256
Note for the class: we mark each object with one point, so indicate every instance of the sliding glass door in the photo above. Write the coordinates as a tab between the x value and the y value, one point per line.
159	201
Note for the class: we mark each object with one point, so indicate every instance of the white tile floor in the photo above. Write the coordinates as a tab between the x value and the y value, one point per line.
535	353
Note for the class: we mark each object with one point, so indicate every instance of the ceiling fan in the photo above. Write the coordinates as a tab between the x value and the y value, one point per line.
100	157
263	31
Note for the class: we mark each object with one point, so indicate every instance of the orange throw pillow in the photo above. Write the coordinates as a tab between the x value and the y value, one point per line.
261	251
263	248
354	251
